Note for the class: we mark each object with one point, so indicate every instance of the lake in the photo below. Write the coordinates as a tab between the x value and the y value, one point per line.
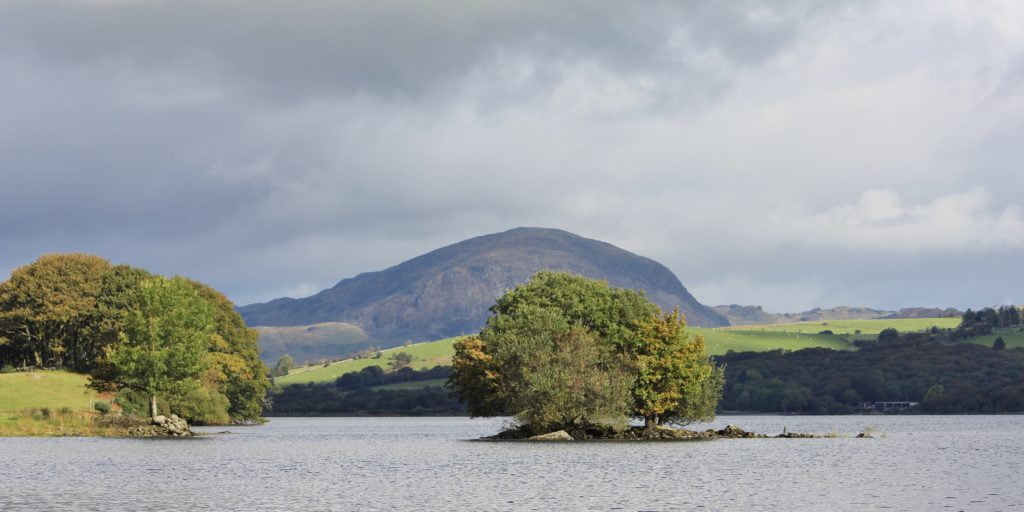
313	464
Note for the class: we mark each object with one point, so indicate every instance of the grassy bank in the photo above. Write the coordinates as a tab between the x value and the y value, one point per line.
51	403
46	422
51	389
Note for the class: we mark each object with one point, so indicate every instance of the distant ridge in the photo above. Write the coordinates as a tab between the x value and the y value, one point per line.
751	315
446	292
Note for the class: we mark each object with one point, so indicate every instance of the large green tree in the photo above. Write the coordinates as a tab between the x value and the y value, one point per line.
163	349
566	343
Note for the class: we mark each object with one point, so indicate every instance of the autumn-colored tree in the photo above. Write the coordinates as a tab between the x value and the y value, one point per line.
474	378
235	365
676	381
49	312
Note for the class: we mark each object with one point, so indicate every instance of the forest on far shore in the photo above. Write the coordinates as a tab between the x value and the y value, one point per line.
924	367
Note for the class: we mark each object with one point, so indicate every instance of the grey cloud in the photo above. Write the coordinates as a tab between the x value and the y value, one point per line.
401	48
272	148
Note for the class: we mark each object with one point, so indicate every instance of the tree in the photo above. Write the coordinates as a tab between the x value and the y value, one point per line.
614	314
163	351
48	311
888	334
999	344
400	360
284	365
567	343
575	380
547	373
676	382
934	393
235	368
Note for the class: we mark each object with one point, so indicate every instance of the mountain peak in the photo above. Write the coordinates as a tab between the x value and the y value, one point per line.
447	291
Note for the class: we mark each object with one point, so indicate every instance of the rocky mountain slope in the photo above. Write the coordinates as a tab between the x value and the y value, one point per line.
446	292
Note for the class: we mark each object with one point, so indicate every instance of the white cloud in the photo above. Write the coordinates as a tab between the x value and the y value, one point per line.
881	221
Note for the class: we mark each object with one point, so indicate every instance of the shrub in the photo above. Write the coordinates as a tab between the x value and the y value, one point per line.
101	407
7	369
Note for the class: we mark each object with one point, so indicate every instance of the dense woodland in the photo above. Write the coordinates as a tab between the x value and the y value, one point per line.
352	394
134	332
958	378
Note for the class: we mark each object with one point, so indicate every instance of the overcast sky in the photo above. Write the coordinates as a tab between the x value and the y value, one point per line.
786	154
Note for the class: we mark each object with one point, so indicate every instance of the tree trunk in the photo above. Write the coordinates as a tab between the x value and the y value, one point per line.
650	422
152	407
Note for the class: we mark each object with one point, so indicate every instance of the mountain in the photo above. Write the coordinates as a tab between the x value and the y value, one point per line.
446	292
750	315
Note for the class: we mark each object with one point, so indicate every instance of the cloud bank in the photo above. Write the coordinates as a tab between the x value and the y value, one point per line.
792	156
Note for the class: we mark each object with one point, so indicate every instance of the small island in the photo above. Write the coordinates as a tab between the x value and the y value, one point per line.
572	358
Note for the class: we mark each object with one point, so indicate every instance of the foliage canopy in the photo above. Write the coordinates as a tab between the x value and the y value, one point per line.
72	310
563	349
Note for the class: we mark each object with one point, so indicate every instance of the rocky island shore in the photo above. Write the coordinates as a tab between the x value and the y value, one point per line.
600	433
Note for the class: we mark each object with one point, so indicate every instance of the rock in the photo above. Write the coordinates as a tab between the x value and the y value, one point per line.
864	435
159	420
733	431
796	435
560	435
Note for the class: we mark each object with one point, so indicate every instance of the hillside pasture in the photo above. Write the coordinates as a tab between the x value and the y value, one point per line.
718	341
424	355
868	328
1014	338
54	390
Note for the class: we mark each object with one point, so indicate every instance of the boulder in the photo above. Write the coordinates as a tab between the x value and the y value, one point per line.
560	435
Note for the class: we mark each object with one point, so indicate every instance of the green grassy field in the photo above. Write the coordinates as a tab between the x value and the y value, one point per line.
53	389
424	355
1014	338
717	341
850	327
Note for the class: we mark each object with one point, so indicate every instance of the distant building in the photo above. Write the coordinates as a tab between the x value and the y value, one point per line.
869	407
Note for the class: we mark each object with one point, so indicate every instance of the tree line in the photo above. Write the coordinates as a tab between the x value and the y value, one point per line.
352	394
144	335
918	367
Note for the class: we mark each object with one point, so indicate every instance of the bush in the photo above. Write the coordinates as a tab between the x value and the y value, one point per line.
7	369
101	407
201	406
999	344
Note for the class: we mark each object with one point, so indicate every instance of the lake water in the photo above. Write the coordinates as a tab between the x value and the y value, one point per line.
313	464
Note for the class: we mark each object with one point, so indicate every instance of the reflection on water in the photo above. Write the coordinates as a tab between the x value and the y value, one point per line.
311	464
